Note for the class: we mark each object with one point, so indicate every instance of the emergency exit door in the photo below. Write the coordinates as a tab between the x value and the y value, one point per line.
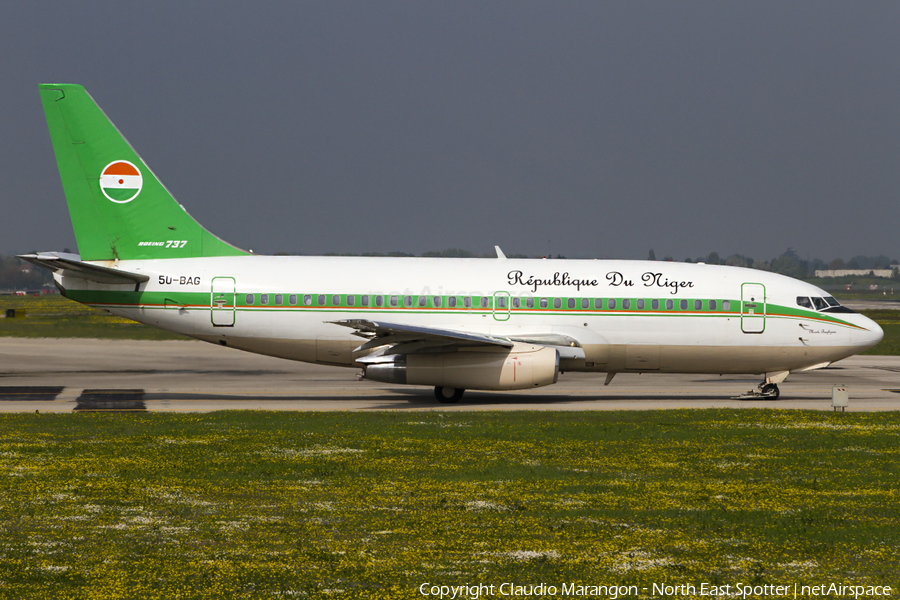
753	308
221	303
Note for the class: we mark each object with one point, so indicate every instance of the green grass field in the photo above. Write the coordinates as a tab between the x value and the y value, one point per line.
55	316
352	505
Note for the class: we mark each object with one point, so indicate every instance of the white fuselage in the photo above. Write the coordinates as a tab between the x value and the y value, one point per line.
667	317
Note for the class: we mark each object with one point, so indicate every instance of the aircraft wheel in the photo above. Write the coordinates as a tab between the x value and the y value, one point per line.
771	391
448	395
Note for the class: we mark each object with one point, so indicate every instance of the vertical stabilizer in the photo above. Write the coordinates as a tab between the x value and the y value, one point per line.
119	209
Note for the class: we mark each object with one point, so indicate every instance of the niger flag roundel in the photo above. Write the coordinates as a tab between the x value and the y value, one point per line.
121	181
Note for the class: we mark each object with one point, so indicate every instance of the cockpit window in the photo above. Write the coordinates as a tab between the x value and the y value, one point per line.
819	303
835	307
804	302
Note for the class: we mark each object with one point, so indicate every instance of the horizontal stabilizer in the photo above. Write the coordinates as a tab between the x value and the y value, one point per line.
70	265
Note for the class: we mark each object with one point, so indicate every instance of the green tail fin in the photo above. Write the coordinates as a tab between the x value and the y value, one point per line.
119	209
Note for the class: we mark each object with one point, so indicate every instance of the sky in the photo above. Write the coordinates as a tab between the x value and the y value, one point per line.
587	129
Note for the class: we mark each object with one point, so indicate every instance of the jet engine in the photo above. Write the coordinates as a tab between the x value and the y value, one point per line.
525	366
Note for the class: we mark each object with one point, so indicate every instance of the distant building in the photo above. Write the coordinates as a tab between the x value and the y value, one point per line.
855	273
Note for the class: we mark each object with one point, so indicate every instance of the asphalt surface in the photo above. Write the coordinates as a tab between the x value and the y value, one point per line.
62	375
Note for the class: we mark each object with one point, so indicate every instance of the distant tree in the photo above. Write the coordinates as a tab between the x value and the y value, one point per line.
736	260
761	265
668	258
652	255
895	274
400	254
713	259
453	253
836	265
790	266
688	260
853	264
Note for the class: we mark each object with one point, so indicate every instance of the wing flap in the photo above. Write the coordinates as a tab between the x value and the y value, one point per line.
420	338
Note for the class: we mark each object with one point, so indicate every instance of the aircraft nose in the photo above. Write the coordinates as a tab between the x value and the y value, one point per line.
866	339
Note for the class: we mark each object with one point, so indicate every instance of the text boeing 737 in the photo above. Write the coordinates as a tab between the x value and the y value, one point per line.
454	324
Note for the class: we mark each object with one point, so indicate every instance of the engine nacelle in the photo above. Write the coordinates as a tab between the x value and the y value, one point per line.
524	367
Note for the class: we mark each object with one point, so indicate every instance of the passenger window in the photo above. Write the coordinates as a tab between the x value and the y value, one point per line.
598	303
451	302
529	302
670	304
501	302
640	303
726	304
351	300
321	300
394	301
293	299
379	300
423	300
263	298
278	299
557	303
407	301
804	302
516	302
698	304
654	304
626	303
467	301
544	303
585	303
820	304
364	300
437	301
611	303
684	305
485	302
249	299
307	300
712	305
335	300
571	302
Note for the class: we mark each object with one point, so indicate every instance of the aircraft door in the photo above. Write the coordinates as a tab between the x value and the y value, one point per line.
753	308
222	302
501	306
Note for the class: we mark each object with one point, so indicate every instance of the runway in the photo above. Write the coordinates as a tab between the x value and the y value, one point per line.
64	375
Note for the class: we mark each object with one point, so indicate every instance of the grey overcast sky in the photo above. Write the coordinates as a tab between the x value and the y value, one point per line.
588	129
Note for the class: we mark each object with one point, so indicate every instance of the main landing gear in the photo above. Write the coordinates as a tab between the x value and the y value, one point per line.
448	395
764	391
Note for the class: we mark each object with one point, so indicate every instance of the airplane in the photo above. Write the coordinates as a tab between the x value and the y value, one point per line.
450	324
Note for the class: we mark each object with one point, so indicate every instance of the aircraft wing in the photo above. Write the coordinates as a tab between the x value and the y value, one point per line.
408	339
412	338
70	265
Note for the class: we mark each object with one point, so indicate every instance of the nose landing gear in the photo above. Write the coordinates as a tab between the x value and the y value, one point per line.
769	391
764	391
